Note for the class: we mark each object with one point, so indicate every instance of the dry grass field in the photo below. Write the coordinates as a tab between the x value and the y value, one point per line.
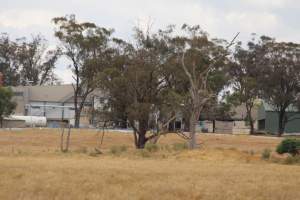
225	167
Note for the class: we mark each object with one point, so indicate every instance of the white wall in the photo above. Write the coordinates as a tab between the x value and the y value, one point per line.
55	112
240	128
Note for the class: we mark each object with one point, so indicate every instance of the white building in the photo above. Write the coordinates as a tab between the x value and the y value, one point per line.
56	103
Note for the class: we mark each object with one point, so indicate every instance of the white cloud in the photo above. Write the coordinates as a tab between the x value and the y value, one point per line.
64	74
252	22
221	19
180	12
268	3
26	18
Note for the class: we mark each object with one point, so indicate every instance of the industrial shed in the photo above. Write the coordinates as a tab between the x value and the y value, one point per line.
236	124
56	103
268	119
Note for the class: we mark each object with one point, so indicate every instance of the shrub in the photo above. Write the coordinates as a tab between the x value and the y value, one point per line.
180	146
292	160
291	146
117	150
144	153
266	154
151	147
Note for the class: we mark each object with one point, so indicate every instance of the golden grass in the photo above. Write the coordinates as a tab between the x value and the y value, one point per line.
226	167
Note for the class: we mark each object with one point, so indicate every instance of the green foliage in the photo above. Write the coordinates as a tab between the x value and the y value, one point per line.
26	61
265	155
6	104
151	147
8	62
279	76
180	146
36	62
291	146
88	48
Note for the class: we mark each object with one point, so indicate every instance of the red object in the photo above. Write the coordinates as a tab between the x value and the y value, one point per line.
1	79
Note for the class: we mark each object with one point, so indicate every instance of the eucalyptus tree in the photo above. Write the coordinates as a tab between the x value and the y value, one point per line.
114	83
24	61
7	106
280	76
137	82
36	62
87	46
8	62
245	71
203	61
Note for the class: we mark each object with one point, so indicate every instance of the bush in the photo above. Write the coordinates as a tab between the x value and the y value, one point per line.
117	150
291	146
144	153
180	146
266	154
292	160
151	147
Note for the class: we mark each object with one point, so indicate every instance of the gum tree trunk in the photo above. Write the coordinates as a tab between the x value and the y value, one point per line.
193	124
143	127
281	123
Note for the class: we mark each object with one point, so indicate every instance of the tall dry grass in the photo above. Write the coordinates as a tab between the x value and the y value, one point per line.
226	167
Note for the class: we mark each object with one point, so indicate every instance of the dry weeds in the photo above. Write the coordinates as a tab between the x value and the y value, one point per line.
226	167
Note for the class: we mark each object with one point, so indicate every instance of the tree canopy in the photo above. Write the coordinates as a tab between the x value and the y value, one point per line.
150	80
87	47
7	106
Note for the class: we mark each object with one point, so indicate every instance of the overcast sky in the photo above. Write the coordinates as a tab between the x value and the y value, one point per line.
223	19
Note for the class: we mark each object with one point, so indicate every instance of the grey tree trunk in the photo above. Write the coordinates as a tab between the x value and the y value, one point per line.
250	118
64	147
281	123
143	127
193	124
77	119
141	141
251	126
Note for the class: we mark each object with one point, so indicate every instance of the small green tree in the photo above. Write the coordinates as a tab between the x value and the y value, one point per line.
87	46
6	104
279	76
8	62
288	145
244	72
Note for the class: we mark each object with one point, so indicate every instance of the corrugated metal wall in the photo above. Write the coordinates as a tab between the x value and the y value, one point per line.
272	122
